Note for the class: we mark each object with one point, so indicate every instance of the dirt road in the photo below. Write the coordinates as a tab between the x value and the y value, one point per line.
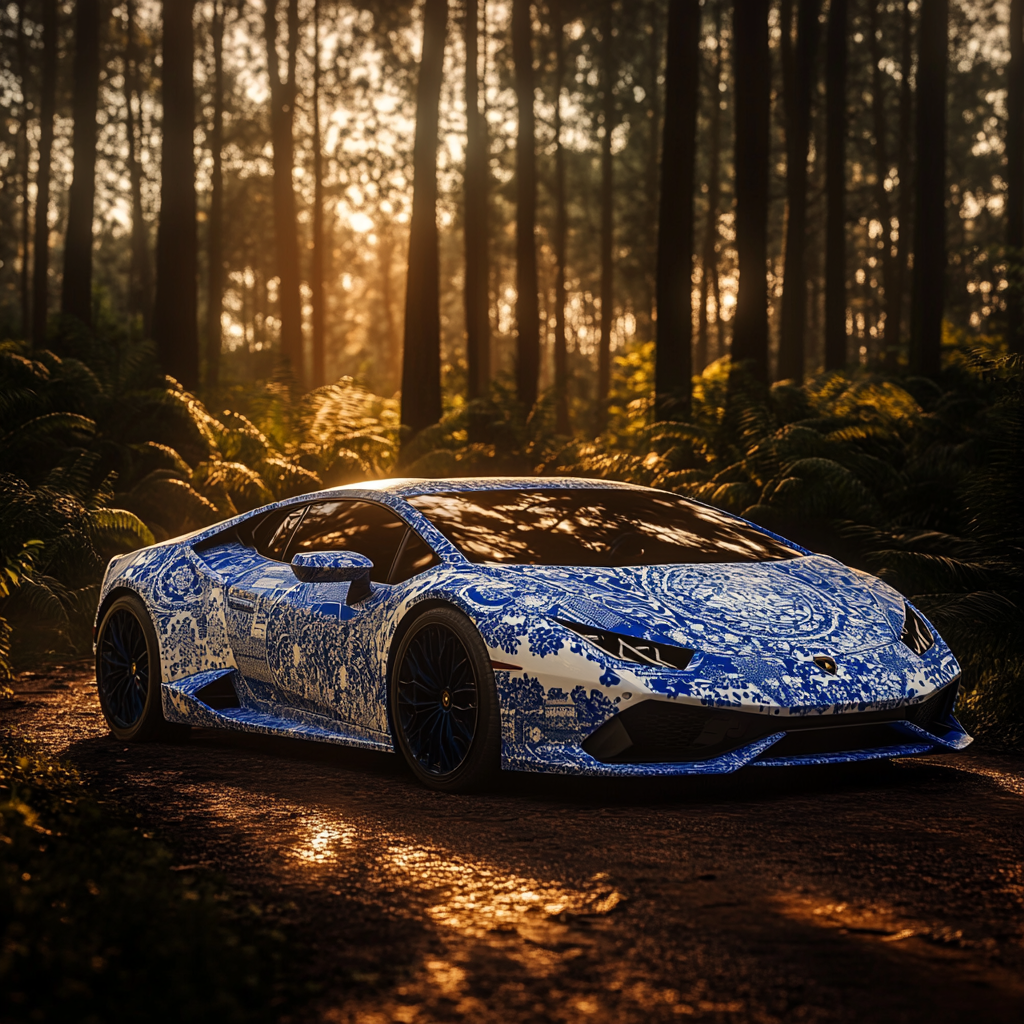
884	893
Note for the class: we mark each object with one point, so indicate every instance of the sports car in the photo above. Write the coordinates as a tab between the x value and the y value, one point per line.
542	624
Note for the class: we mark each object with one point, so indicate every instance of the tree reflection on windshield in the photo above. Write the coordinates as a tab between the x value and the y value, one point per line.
593	527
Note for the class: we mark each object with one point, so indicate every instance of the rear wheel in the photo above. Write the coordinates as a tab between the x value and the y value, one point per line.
128	673
444	706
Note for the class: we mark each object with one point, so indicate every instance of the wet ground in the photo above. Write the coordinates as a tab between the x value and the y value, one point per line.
889	893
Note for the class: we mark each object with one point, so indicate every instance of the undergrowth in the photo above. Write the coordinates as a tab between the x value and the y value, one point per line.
96	925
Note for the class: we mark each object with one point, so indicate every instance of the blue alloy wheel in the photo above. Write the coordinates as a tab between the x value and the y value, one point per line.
437	700
123	676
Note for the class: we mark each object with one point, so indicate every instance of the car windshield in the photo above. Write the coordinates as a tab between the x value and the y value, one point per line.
593	527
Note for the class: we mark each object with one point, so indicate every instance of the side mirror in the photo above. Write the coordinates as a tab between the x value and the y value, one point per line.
335	567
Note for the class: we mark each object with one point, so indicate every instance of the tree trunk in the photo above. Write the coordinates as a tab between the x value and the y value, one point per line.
562	424
175	323
527	302
930	214
286	232
47	108
604	352
25	146
798	70
76	293
897	299
478	322
421	356
753	109
215	225
674	338
835	188
140	277
709	251
653	85
888	338
1015	179
317	283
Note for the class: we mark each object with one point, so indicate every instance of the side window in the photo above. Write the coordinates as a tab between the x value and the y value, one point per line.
415	557
362	526
272	533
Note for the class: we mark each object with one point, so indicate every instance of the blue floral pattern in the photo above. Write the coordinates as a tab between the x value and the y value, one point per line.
304	662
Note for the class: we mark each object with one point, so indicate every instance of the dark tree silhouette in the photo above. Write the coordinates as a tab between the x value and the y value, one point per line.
76	292
753	106
47	109
674	338
604	352
709	287
175	323
896	298
140	273
421	356
316	284
927	300
286	236
562	425
527	304
215	224
879	117
476	300
798	63
1015	179
25	149
835	188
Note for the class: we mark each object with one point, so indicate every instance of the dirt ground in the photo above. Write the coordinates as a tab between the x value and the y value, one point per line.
888	893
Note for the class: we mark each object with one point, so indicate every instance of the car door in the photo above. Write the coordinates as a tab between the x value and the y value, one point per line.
323	653
253	585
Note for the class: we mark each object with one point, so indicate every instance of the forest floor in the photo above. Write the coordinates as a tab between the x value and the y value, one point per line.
888	893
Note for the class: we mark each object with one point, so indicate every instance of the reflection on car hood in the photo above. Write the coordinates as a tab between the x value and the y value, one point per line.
725	608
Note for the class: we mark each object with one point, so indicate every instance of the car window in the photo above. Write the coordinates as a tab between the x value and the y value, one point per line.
594	527
362	526
415	557
271	535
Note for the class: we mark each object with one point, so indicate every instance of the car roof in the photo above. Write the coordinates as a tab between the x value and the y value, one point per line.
410	487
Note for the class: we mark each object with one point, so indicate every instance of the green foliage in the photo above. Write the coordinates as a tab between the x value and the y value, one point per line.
95	923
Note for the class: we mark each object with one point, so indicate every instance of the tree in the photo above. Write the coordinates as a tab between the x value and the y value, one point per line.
562	425
927	299
316	284
286	234
709	286
47	109
527	302
175	317
421	355
890	332
835	187
753	107
25	147
76	293
798	84
140	276
604	352
1015	179
674	339
215	224
476	299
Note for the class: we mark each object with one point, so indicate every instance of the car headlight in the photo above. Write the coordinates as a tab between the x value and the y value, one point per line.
916	635
630	648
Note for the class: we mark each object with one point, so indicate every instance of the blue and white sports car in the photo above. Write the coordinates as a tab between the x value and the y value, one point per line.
552	625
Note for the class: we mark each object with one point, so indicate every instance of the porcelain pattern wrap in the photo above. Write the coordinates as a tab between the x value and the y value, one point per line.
304	661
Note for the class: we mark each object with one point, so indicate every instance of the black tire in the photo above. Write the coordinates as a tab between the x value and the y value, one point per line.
128	674
444	706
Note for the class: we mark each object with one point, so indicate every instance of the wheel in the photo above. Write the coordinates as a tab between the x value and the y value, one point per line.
128	673
444	706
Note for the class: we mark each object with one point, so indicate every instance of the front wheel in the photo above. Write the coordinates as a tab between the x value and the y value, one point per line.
128	673
444	706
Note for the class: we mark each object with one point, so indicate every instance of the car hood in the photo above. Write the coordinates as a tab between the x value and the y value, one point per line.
794	606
